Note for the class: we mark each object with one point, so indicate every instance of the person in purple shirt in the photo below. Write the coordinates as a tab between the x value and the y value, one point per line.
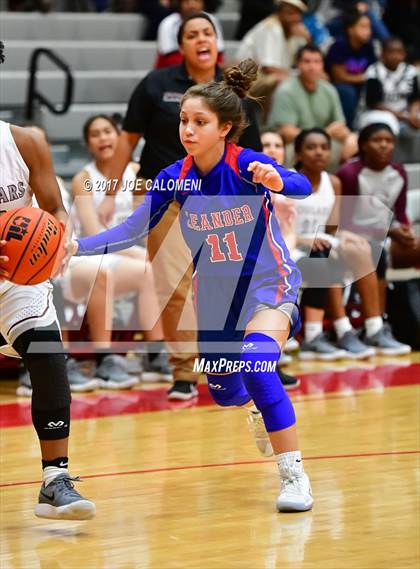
347	60
245	283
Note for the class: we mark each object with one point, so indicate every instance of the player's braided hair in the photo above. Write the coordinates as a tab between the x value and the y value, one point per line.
1	52
224	97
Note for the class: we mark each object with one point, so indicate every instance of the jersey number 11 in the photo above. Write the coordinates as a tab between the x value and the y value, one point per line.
216	253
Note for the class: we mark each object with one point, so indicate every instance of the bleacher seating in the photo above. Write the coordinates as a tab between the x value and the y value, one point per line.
87	26
107	59
71	26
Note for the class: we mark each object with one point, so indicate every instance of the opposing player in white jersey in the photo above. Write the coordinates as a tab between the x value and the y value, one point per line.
28	322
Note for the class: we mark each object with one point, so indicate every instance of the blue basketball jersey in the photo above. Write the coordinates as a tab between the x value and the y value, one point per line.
226	220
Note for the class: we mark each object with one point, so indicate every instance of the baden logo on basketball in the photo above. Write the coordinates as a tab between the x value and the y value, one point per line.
42	250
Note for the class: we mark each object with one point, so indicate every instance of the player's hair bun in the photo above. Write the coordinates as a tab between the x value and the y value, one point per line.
240	77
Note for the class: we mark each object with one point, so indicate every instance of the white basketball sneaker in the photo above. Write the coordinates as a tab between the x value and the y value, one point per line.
295	493
257	428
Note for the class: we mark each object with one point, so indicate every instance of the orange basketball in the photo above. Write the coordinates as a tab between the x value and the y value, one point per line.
33	241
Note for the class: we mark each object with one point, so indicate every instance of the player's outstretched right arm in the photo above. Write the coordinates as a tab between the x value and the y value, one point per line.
134	228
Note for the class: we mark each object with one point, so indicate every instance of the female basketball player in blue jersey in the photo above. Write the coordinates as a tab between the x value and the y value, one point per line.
244	281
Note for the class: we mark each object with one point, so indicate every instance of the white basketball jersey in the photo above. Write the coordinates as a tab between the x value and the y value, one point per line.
14	179
313	212
14	173
123	198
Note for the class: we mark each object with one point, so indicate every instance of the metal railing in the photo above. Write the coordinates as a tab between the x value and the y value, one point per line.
34	95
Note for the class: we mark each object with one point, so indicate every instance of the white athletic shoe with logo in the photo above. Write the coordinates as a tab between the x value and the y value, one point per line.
257	427
295	488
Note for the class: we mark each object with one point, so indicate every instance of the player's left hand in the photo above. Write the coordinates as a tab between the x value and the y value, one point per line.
3	259
266	175
63	256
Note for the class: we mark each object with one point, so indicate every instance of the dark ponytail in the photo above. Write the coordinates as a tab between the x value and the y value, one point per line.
241	77
224	97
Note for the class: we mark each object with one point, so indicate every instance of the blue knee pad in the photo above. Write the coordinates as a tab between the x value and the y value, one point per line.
260	354
228	390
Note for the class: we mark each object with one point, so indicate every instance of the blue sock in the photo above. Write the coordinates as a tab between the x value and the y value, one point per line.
260	355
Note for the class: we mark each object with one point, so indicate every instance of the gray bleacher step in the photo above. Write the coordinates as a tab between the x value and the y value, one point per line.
68	127
88	55
89	86
71	26
69	158
229	6
413	174
229	22
69	169
83	55
88	26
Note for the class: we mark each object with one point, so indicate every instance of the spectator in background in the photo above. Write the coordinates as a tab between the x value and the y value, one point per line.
168	46
273	145
403	20
392	90
155	11
370	8
307	101
347	61
251	13
318	231
375	176
337	251
274	41
129	271
315	24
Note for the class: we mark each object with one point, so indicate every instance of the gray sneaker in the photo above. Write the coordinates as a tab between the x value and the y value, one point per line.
320	349
112	373
385	344
355	348
79	382
158	369
60	501
134	363
24	388
285	359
